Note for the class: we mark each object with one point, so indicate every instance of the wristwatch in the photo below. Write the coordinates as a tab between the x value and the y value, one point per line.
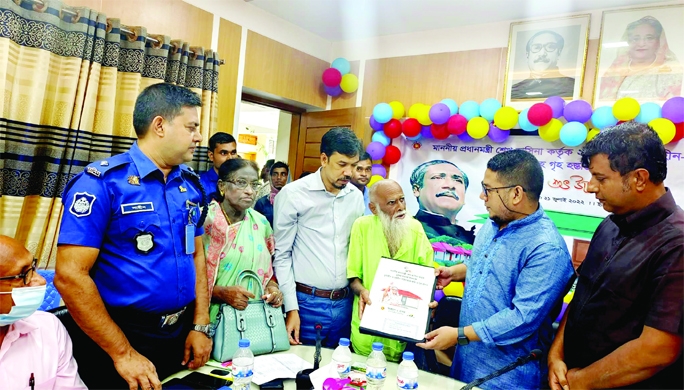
462	338
208	329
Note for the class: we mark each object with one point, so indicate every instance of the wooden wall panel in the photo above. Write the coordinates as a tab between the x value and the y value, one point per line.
347	100
280	70
230	35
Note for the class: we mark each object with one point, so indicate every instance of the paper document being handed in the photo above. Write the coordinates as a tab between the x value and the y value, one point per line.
282	365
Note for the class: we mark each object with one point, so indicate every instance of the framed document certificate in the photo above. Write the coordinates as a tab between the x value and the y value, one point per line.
400	295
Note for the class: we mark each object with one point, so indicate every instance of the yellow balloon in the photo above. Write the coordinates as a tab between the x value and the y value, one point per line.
665	128
454	289
413	110
397	109
626	109
424	115
374	179
506	118
550	132
592	133
478	127
349	83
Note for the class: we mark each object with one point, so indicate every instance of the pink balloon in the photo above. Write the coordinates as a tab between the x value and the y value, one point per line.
332	77
540	114
457	124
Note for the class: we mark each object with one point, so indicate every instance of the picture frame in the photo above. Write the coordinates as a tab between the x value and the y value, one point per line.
634	60
546	58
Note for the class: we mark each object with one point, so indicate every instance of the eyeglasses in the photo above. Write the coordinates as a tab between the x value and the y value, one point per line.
241	184
549	47
26	276
486	190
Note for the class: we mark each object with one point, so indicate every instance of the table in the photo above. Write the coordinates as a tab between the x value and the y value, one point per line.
426	380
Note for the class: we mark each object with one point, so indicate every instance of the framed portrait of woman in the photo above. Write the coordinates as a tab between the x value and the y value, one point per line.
545	58
640	55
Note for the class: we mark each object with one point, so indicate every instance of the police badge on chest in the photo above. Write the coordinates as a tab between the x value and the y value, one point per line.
144	242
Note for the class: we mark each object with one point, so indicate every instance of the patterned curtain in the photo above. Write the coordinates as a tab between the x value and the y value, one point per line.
70	78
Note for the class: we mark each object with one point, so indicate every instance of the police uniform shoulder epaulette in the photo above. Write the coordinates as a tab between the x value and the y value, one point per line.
100	168
187	169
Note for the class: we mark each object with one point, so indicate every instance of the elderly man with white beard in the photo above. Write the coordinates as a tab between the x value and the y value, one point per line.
391	233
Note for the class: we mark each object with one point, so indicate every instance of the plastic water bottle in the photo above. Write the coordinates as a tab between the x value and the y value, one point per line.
243	366
341	359
407	373
376	368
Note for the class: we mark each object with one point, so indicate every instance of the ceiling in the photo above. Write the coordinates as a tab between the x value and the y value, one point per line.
341	20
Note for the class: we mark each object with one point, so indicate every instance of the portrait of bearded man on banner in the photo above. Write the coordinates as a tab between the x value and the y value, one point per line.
439	187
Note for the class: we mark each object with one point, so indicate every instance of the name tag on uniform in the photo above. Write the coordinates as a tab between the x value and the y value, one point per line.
130	208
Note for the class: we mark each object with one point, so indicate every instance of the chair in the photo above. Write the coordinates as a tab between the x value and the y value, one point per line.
52	298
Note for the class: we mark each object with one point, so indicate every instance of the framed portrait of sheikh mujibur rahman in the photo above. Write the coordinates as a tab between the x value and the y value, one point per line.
546	58
641	55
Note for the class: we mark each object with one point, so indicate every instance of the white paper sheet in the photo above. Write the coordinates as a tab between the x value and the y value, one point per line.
270	367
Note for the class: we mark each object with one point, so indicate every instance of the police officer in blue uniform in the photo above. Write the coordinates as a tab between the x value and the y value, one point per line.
130	261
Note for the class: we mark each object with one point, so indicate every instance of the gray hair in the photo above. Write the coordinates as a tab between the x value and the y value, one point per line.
418	175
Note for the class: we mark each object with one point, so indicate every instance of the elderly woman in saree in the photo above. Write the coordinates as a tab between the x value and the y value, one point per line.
646	68
237	238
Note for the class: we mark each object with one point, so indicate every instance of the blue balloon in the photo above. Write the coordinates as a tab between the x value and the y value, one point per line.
426	132
379	136
382	112
416	138
649	112
453	107
525	123
470	109
603	117
488	108
342	65
573	134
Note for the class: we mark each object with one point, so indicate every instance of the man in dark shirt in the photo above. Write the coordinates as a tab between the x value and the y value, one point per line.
623	327
279	172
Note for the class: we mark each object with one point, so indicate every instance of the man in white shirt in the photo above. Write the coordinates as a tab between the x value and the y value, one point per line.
313	218
35	348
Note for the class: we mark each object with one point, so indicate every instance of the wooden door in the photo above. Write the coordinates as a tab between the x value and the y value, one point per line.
312	126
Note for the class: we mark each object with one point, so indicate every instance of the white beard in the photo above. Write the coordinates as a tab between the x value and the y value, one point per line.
395	229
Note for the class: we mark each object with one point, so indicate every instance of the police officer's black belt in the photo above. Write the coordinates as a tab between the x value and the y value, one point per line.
145	319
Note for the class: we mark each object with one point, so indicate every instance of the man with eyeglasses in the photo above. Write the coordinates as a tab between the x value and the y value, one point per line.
35	348
222	147
515	280
543	50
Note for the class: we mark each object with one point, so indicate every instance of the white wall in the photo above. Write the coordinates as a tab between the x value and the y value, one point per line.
283	142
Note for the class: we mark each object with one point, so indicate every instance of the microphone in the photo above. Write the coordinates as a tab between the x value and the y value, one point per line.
535	354
303	380
317	354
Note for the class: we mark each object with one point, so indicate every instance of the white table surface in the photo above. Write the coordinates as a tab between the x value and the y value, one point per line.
426	380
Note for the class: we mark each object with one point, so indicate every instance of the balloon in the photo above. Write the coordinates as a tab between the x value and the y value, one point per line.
550	132
424	115
488	108
333	91
349	83
573	133
470	109
411	127
540	114
603	117
506	118
382	112
451	103
465	137
376	150
626	109
673	109
413	110
497	135
439	113
426	132
392	155
679	132
379	169
416	138
577	111
454	289
525	123
665	128
439	294
397	109
557	105
342	65
332	77
392	128
478	127
457	124
592	133
649	111
439	131
375	125
374	179
380	136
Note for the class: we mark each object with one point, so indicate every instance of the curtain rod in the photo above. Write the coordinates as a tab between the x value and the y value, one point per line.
122	29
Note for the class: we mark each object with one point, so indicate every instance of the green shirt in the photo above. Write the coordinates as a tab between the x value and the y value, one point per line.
367	245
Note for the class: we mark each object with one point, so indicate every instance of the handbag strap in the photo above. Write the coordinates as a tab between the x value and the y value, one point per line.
251	274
